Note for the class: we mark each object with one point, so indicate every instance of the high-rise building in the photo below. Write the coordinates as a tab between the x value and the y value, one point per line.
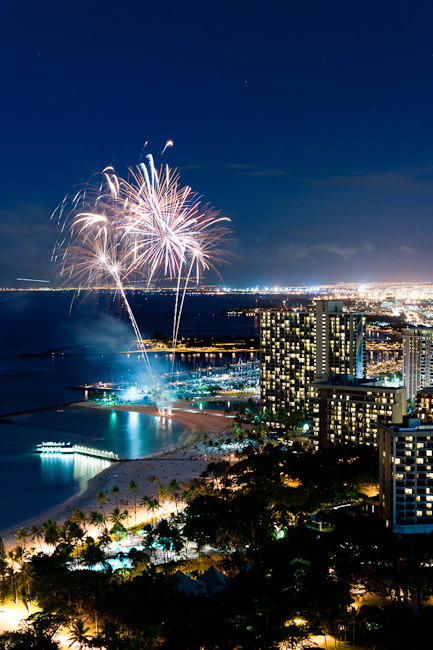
347	410
298	348
417	359
287	358
406	476
424	404
340	340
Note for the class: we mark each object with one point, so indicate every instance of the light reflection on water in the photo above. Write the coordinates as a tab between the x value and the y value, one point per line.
134	443
64	469
147	436
127	433
46	481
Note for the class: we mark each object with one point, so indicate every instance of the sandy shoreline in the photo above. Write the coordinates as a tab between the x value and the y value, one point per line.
182	463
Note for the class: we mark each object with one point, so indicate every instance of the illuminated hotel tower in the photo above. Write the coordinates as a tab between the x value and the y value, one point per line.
406	476
340	340
298	348
417	360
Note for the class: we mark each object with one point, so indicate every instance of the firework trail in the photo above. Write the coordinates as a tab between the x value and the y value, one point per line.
170	232
211	251
142	151
168	144
90	251
159	220
148	226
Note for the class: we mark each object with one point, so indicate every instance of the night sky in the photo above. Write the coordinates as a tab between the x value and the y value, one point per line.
308	123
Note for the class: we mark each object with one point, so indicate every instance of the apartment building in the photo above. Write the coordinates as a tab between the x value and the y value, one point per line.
417	359
344	409
300	347
406	476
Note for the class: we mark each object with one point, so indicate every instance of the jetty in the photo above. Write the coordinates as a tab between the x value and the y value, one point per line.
46	448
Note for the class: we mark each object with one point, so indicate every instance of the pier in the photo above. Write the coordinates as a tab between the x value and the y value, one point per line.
66	448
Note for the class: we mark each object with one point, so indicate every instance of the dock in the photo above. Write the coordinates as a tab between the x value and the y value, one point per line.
46	448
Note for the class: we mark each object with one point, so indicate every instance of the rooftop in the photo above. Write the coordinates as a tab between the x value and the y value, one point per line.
409	425
352	381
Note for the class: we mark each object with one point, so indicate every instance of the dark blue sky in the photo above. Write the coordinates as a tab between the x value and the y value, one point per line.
309	123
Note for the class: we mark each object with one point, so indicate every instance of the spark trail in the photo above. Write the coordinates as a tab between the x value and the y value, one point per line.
146	227
90	250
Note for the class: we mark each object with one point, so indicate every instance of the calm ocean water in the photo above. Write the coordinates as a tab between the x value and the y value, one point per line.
30	483
84	343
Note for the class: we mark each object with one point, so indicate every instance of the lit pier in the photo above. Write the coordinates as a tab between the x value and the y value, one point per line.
66	448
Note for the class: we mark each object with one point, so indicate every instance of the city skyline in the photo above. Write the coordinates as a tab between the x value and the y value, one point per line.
307	125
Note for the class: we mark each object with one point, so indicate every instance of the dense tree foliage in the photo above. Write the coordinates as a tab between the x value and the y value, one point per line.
255	520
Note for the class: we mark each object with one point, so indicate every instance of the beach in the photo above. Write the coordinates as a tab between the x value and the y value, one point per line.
182	463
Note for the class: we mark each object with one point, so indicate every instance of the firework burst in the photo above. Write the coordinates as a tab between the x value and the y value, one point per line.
160	220
170	232
145	227
91	251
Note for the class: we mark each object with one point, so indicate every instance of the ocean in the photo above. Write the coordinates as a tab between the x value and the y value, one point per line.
52	341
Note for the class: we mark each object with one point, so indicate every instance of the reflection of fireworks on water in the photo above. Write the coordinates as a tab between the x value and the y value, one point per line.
145	227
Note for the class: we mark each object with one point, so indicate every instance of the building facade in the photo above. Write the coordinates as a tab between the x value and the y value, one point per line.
298	348
406	476
424	404
348	410
340	340
287	359
417	359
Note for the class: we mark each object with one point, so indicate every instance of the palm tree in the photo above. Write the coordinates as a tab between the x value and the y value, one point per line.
23	558
104	538
37	533
79	517
174	488
71	538
97	519
22	535
79	634
115	491
117	517
18	572
133	487
51	532
144	503
169	537
93	554
4	574
153	505
13	573
71	532
101	499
